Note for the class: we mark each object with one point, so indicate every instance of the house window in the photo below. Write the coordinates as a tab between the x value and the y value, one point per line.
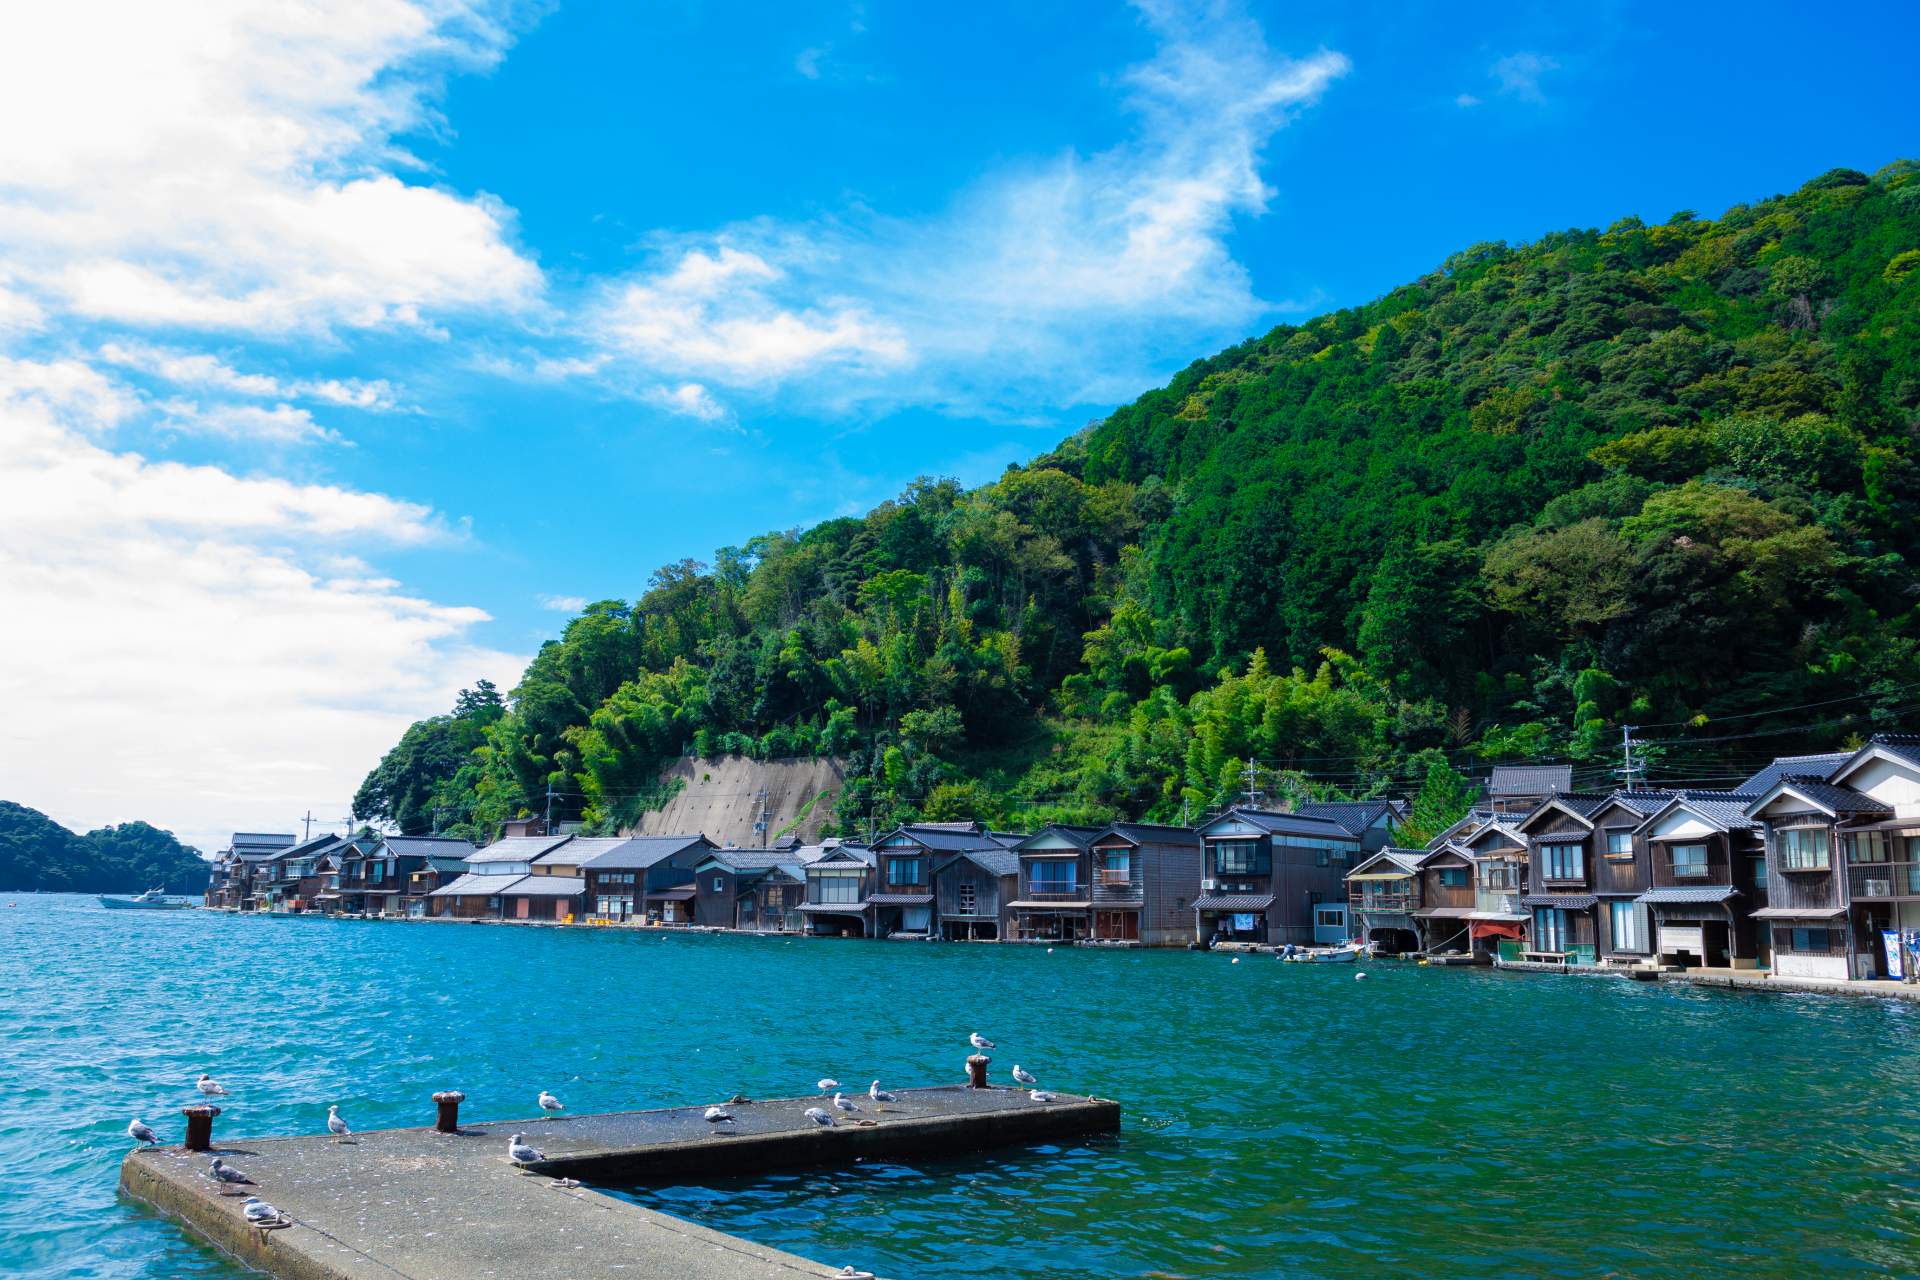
1759	873
1867	846
1818	941
1453	877
1803	849
1330	917
1628	925
1549	929
1689	861
1497	875
719	884
903	871
1239	858
835	886
1620	844
1054	875
1116	866
969	898
1563	862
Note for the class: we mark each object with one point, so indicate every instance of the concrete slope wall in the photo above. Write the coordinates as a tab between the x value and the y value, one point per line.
721	798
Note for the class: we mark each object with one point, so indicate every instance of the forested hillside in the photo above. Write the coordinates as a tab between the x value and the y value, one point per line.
1662	474
38	853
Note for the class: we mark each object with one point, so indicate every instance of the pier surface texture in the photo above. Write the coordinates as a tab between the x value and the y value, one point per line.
424	1205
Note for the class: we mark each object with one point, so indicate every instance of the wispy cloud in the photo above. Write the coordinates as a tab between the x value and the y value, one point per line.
1518	75
1042	285
563	604
200	370
689	400
807	61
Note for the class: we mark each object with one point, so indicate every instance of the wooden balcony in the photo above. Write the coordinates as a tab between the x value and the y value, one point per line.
1106	878
1399	903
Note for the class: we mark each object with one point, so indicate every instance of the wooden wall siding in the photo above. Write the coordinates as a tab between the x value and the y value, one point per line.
714	908
1169	882
1129	893
1435	894
1719	864
1082	873
1297	877
1557	823
1628	875
986	888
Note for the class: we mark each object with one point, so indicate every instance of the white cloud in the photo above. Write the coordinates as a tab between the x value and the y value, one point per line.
199	370
807	62
280	424
222	165
1518	75
563	604
690	400
1466	100
1055	283
193	648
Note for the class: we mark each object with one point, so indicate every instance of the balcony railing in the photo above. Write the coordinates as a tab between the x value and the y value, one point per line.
1110	876
1398	902
1054	892
1867	881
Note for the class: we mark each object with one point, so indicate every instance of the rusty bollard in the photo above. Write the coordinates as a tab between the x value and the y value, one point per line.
199	1126
977	1070
449	1104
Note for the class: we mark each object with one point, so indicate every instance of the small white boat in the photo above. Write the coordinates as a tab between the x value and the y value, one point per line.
1346	954
151	900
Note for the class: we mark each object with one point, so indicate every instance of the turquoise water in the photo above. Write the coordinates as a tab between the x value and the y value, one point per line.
1282	1120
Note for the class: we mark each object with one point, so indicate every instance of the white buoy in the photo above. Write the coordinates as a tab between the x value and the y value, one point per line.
1358	976
1235	960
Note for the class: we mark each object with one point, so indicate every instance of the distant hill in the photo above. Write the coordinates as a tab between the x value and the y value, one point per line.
1661	474
37	853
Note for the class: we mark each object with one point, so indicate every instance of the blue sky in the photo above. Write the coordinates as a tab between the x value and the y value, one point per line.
335	355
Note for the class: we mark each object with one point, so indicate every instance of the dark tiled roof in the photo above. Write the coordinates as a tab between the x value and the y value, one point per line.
1728	808
746	859
1150	833
1233	902
1904	745
1838	799
900	899
1570	901
1689	894
516	849
1820	767
1292	824
637	853
1642	802
944	839
548	887
996	862
1531	779
1078	837
1355	815
430	846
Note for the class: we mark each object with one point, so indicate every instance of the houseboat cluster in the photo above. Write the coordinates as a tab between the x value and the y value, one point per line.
1808	869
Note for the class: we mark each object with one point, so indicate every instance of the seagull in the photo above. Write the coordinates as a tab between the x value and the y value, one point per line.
550	1103
221	1171
877	1095
336	1126
851	1272
209	1087
259	1212
841	1102
1041	1095
820	1117
827	1084
1023	1076
979	1041
718	1115
139	1132
519	1152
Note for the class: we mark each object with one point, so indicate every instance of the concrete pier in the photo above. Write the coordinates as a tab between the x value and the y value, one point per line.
426	1205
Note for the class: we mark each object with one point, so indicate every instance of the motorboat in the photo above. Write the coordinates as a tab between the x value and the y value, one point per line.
1346	953
151	900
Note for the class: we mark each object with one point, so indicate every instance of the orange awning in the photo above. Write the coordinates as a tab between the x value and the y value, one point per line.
1495	929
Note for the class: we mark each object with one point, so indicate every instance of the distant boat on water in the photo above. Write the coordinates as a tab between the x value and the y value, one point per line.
151	900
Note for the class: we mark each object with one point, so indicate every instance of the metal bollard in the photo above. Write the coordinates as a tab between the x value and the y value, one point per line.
977	1069
199	1126
449	1104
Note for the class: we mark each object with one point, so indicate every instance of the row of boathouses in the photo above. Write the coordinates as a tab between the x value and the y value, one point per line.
1808	869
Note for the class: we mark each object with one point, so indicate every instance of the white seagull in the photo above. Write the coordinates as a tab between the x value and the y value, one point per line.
877	1095
1041	1095
827	1084
336	1126
718	1115
259	1212
139	1132
843	1103
550	1103
820	1117
1023	1076
221	1171
979	1041
519	1152
209	1087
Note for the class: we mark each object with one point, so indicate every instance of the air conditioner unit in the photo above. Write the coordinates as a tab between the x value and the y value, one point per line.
1210	885
1876	888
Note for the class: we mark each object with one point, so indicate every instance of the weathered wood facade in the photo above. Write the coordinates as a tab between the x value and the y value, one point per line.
1264	876
1143	880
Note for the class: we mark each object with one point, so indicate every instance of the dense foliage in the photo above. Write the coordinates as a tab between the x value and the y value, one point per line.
1657	474
37	853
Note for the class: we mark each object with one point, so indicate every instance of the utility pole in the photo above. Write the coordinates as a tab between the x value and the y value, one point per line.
547	822
1627	767
1253	785
306	827
760	820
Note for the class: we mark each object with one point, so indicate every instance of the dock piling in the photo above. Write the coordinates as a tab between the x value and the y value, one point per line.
199	1126
448	1101
977	1070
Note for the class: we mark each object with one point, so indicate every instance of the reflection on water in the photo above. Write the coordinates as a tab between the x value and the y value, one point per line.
1281	1120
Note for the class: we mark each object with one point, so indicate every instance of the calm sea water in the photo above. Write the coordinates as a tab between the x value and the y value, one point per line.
1281	1120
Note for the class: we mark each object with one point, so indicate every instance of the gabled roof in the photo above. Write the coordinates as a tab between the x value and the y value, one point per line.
1580	806
516	849
1722	810
314	847
1292	824
637	853
1404	861
1902	748
944	838
1824	796
1530	779
1355	815
996	862
478	886
428	846
1077	836
1640	802
1149	833
743	859
1820	766
259	841
858	854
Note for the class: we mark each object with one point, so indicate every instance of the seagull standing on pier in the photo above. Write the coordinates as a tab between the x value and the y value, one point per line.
843	1103
336	1126
221	1171
519	1152
827	1084
719	1115
979	1041
1023	1076
876	1095
820	1117
209	1087
550	1103
139	1132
